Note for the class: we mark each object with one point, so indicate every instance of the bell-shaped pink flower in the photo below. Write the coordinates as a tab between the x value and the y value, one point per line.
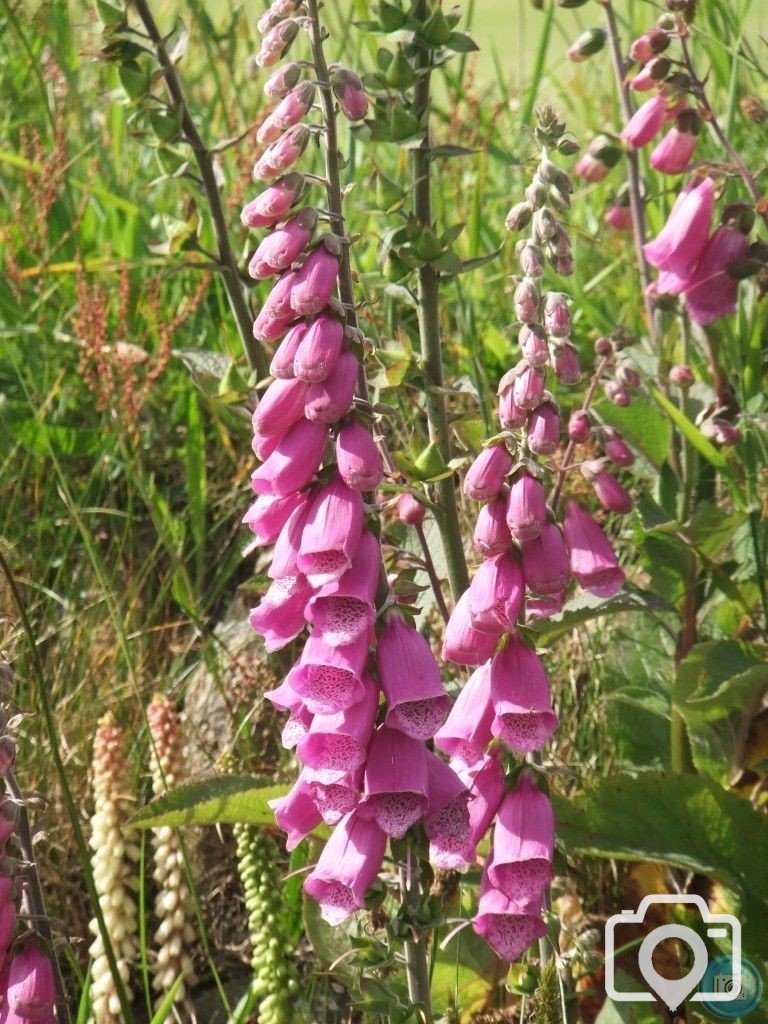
331	534
343	611
520	693
492	536
335	793
347	868
289	111
712	292
328	679
466	732
294	462
274	202
485	779
673	154
285	554
526	507
396	781
296	727
496	594
339	742
283	245
506	926
281	367
417	704
543	429
357	457
315	282
446	822
463	644
545	562
319	350
523	843
283	153
350	94
679	245
645	122
296	813
31	992
268	515
330	399
279	616
610	493
485	477
281	405
528	389
593	560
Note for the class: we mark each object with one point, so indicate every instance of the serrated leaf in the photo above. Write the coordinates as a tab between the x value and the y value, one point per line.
229	799
585	606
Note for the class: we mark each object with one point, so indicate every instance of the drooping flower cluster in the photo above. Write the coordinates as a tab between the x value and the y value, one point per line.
115	859
173	903
528	559
366	769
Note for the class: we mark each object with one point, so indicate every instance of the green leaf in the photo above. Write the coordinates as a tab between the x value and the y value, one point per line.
134	79
165	1007
194	451
691	432
710	529
460	43
687	821
586	606
642	425
44	438
449	149
719	676
629	1012
220	799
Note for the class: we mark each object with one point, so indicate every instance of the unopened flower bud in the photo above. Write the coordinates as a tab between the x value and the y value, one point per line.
511	415
627	375
603	347
559	199
350	93
530	258
533	343
536	194
526	300
519	217
528	389
409	510
579	427
602	154
616	393
543	429
276	42
544	224
557	318
563	265
681	375
565	363
655	71
616	448
609	492
590	42
281	81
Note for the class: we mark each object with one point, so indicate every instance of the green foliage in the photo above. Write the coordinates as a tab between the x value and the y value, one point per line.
233	799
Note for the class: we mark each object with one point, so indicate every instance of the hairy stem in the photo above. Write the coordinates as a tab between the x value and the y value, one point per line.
226	258
633	172
733	155
428	293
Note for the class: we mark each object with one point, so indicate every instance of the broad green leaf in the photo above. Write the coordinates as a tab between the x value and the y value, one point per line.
629	1012
221	799
710	529
688	821
720	676
691	432
642	425
585	606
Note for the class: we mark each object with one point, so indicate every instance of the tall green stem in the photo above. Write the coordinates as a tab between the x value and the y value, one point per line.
416	958
428	293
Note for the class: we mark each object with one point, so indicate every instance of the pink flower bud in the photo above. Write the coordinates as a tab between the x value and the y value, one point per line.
526	300
409	510
617	394
679	245
275	13
545	562
319	349
533	342
395	786
283	153
593	560
281	366
681	375
417	703
330	399
543	429
579	427
278	303
526	508
496	595
531	262
528	389
524	718
640	49
274	202
602	154
347	868
294	462
281	81
511	416
276	42
281	405
315	282
358	458
672	155
350	94
616	448
289	111
282	246
565	363
619	217
654	72
485	477
31	993
720	431
463	644
645	123
492	536
588	43
610	493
